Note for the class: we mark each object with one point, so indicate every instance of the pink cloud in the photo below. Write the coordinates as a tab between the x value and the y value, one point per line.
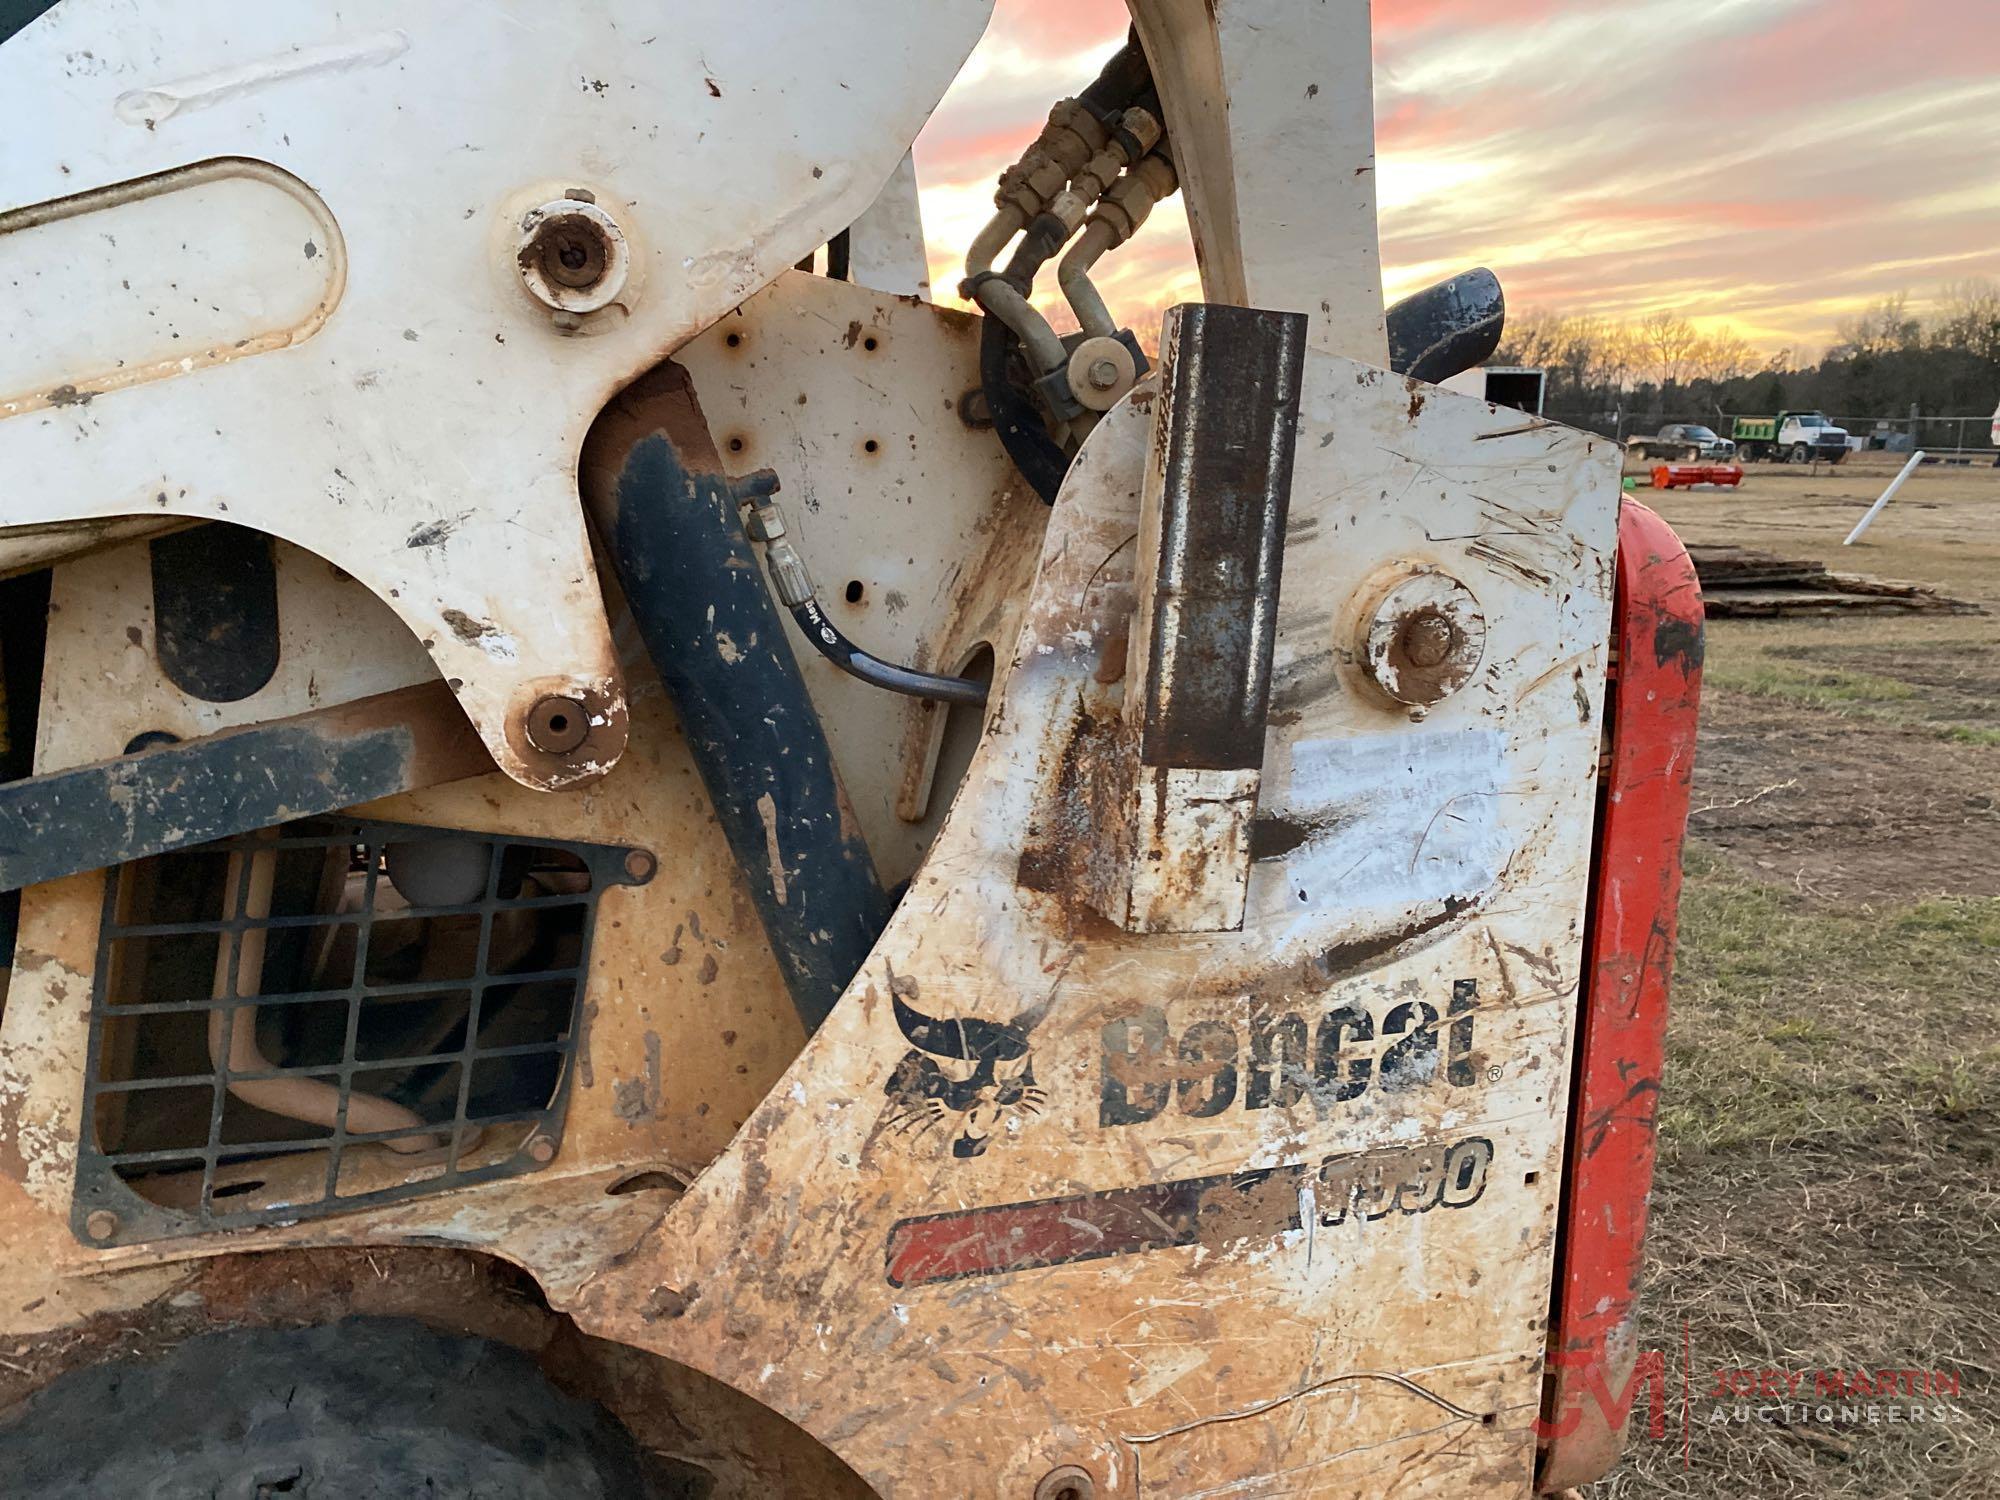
1841	47
1058	27
1720	215
1395	19
1723	164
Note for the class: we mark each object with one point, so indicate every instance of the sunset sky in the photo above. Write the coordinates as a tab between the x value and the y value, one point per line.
1773	165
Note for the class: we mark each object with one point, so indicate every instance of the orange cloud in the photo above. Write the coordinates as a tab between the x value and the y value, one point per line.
1773	164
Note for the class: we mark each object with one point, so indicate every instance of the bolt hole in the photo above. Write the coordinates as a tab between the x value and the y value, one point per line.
736	445
871	446
1489	1419
855	591
871	344
734	341
558	723
1532	1178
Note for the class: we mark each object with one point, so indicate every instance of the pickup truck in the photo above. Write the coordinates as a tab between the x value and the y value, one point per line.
1687	442
1791	437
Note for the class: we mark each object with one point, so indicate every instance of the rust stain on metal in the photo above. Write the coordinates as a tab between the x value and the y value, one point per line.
469	630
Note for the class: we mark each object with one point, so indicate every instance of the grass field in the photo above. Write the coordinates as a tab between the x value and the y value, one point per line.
1829	1183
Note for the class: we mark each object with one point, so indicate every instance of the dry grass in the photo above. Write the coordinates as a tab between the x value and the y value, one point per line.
1829	1186
1829	1183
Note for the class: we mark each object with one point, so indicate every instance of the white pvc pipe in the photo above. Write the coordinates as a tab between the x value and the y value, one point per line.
1887	495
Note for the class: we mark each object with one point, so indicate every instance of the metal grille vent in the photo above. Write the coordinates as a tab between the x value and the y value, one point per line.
331	1016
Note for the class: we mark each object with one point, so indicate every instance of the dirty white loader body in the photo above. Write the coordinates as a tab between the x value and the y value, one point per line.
1146	1026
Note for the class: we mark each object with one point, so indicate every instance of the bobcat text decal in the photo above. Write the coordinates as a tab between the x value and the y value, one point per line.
1338	1056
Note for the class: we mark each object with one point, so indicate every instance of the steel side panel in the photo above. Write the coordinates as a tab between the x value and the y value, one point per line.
851	396
686	1022
1271	109
1166	1264
392	398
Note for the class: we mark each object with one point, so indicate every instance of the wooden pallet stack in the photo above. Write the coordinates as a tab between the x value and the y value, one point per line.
1745	583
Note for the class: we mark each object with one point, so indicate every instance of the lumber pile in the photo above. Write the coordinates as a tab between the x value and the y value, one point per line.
1744	583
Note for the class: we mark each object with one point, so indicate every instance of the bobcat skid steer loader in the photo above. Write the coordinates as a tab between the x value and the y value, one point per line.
641	863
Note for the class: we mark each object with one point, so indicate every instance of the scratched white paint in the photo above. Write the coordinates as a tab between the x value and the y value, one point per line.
1373	1349
1270	107
932	521
1399	822
725	143
1359	1345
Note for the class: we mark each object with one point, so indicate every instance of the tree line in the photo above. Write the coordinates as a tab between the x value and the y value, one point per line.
1944	360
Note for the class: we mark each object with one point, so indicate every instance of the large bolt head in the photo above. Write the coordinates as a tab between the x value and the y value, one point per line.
558	725
1428	638
572	256
1101	370
1423	639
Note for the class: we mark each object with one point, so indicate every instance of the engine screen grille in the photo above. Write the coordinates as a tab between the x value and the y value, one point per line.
331	1016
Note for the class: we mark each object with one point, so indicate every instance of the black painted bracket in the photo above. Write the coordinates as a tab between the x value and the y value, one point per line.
668	517
1212	533
175	796
215	610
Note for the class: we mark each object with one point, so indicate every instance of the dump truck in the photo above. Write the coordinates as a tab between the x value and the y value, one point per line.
1790	437
642	862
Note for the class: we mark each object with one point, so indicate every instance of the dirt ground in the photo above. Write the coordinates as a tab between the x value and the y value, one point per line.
1829	1185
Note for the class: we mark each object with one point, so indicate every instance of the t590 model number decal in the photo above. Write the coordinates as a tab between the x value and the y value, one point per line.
1216	1212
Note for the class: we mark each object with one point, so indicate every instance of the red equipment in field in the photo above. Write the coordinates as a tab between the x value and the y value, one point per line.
1687	476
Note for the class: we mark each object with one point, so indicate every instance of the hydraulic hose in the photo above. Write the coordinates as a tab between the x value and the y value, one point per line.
1124	106
1124	77
1073	276
1016	419
851	659
792	582
669	521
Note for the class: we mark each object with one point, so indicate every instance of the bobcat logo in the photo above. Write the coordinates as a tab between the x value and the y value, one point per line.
967	1076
